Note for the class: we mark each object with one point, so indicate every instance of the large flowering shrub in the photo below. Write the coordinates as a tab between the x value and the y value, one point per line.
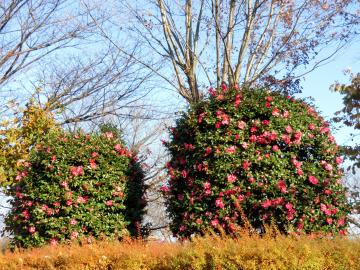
257	156
76	186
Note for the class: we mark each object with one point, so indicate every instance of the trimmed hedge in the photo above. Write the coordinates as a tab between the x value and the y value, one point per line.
254	156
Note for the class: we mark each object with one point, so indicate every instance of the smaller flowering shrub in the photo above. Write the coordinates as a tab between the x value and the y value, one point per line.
76	186
256	156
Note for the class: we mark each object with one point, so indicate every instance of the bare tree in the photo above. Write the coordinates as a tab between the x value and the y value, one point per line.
247	42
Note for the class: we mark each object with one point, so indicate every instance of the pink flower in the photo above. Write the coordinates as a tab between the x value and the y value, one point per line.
217	125
223	87
275	112
311	126
180	197
207	151
245	145
269	98
117	147
31	229
253	138
94	154
182	228
230	150
299	172
231	178
53	241
92	163
328	167
64	184
184	173
164	189
266	203
313	180
82	199
341	221
201	117
109	203
241	198
69	202
237	100
289	206
207	185
266	122
26	214
286	114
109	135
73	221
215	222
241	124
288	129
329	220
74	235
275	148
338	160
245	165
76	170
282	186
219	203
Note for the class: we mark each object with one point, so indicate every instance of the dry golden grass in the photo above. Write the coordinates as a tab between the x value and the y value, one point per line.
245	252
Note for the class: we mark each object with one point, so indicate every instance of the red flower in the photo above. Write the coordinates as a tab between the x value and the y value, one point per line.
275	112
329	220
241	124
338	160
311	126
201	117
266	122
313	180
92	163
164	189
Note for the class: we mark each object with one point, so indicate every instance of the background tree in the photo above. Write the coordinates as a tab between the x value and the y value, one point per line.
350	115
248	42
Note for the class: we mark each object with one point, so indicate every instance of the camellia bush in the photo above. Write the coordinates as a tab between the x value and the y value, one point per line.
76	186
254	157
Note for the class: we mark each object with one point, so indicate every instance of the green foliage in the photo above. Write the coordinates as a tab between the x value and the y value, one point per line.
350	115
76	186
254	156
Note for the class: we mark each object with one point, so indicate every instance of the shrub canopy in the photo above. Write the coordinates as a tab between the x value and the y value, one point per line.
258	156
75	186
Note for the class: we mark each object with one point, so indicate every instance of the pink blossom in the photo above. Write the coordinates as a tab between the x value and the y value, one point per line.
241	198
245	145
328	167
207	151
182	228
74	235
64	184
212	91
286	138
275	112
251	180
184	173
164	189
109	203
53	241
109	135
253	138
329	220
231	178
299	172
76	170
215	222
69	202
241	124
26	214
266	122
219	203
289	206
82	199
275	148
269	98
56	204
245	165
338	160
230	150
311	127
31	229
180	197
94	154
341	221
224	87
207	185
73	221
217	125
237	100
117	147
201	117
313	180
92	163
288	129
286	114
266	203
282	186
